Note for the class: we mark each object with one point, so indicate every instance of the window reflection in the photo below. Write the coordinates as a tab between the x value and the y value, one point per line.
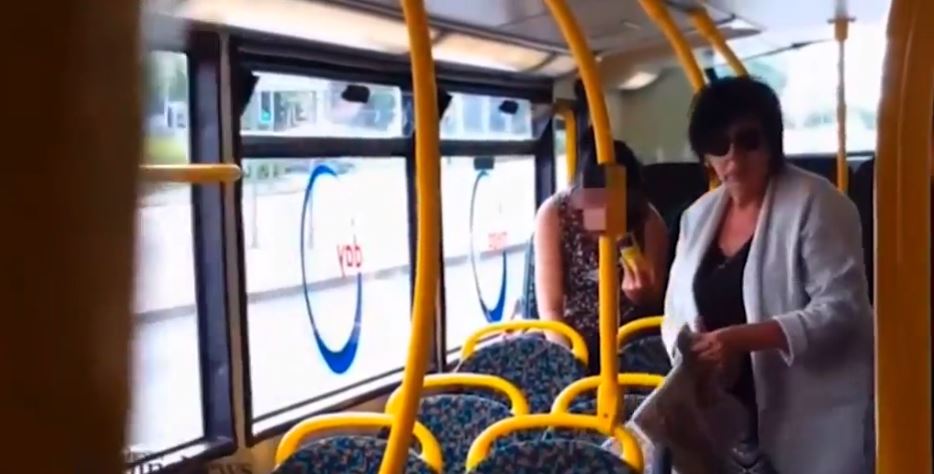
287	105
488	217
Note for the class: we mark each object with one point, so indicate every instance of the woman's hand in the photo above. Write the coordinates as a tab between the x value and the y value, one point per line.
716	349
639	284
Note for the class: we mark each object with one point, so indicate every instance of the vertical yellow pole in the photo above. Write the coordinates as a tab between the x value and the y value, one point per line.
704	24
903	331
608	393
66	250
427	168
841	25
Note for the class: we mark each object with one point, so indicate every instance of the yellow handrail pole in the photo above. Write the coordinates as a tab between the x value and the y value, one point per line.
657	12
427	167
608	393
903	332
292	440
705	25
631	452
660	16
191	174
840	28
570	133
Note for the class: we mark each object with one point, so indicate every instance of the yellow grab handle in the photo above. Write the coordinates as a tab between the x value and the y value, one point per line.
563	401
578	346
191	174
517	400
608	286
427	185
480	449
431	450
704	24
636	326
570	133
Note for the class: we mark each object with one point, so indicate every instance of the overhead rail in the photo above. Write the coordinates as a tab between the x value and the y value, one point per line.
706	27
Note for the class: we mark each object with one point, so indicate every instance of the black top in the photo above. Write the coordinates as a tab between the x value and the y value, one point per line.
718	292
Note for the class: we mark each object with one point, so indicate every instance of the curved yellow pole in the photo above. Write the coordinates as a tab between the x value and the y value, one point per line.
841	26
660	16
291	441
519	405
191	174
578	345
563	401
632	328
608	394
427	167
705	25
570	133
480	449
903	284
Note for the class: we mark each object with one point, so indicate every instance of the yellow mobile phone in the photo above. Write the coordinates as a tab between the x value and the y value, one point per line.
631	255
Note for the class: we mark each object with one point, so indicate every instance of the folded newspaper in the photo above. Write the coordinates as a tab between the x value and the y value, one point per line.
702	426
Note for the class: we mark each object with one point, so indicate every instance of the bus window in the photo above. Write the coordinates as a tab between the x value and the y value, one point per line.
561	147
300	106
488	217
327	279
480	117
806	83
166	387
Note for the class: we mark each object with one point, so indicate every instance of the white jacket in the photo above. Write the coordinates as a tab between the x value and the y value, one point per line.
805	270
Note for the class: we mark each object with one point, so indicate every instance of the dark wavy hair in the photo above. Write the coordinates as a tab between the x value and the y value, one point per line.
590	174
724	101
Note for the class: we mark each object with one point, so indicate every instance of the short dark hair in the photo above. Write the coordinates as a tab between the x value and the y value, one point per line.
590	174
724	101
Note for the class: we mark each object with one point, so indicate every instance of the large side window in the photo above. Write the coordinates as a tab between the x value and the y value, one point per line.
806	83
326	248
488	212
561	154
166	387
488	217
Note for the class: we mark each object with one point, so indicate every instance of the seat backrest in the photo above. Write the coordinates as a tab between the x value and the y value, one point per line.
824	165
552	456
586	404
457	420
673	186
538	367
345	455
646	354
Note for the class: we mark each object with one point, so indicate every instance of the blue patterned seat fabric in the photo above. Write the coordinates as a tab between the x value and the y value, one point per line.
552	457
345	455
538	367
457	420
645	354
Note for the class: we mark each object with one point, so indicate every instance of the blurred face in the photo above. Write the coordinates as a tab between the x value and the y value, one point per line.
739	156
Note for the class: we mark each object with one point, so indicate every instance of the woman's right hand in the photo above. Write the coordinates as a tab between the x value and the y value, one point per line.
639	284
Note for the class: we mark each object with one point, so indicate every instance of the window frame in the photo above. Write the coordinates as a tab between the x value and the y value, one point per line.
202	49
263	53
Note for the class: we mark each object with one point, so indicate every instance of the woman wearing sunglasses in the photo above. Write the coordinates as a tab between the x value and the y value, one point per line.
769	276
567	230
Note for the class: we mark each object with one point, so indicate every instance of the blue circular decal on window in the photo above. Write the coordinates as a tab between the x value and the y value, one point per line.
341	359
494	314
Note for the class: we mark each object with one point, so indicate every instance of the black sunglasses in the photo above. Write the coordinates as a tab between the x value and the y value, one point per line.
746	139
